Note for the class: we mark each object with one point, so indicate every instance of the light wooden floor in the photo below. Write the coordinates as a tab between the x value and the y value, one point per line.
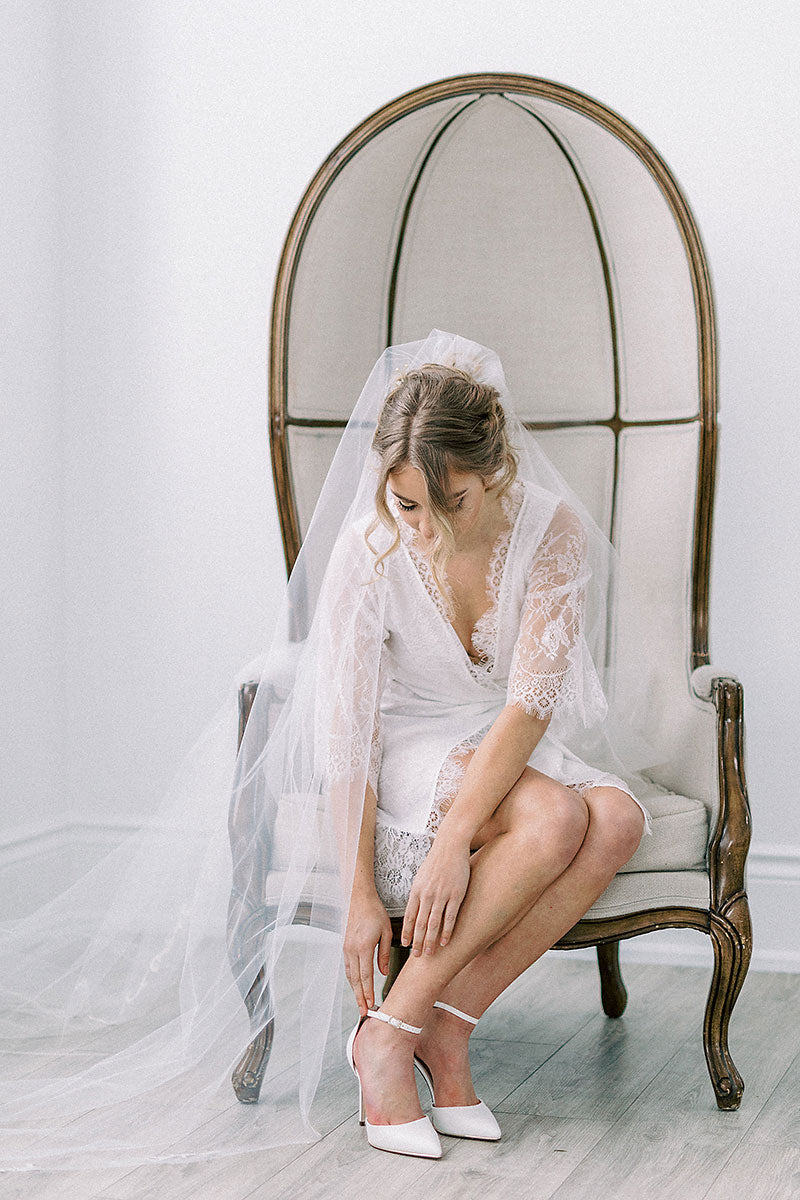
591	1108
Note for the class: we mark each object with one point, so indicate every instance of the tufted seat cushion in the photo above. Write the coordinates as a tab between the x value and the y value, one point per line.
680	834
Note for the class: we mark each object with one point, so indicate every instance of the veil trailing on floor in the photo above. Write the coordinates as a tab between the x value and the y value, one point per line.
122	1000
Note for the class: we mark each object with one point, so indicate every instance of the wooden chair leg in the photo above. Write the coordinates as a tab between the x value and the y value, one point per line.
612	990
248	1073
731	936
397	957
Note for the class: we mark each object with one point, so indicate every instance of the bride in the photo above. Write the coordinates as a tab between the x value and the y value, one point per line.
480	827
429	737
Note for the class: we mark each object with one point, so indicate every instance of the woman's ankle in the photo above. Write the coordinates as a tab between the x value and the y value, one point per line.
445	1026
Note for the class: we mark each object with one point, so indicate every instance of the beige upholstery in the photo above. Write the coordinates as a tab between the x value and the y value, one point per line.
633	892
680	835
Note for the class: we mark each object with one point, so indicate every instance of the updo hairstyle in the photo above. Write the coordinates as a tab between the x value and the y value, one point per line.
438	417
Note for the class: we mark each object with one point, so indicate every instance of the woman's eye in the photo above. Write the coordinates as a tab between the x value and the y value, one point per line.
411	507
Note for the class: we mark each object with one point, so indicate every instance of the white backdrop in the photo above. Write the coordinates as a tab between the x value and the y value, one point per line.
153	154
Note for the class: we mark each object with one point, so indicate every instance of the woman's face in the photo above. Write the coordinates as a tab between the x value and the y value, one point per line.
466	493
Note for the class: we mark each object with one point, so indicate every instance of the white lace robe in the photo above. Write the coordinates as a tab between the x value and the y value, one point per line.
435	702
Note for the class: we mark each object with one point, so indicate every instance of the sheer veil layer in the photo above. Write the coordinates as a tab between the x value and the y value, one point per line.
127	1000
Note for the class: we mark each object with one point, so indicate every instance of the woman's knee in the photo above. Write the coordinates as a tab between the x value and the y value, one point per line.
616	823
546	811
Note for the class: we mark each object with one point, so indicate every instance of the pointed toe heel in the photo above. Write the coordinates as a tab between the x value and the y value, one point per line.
467	1121
460	1120
411	1137
418	1138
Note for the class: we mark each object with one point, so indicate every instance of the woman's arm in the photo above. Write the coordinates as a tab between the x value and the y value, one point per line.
492	771
364	878
368	922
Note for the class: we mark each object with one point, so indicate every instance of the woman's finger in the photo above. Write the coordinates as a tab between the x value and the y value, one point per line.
432	931
385	949
450	914
354	979
366	975
420	925
412	907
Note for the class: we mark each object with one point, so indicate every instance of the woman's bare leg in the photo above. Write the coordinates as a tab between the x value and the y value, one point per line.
536	831
616	825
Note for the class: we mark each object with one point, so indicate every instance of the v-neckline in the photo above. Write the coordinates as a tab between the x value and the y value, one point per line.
506	531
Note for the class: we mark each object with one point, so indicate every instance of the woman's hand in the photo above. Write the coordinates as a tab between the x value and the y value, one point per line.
368	926
437	891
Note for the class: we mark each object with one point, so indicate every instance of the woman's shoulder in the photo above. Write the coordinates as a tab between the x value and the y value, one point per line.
538	509
547	518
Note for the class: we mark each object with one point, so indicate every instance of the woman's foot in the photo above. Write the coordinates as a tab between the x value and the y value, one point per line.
443	1046
384	1057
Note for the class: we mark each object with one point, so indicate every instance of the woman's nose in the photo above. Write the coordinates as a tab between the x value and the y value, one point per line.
425	527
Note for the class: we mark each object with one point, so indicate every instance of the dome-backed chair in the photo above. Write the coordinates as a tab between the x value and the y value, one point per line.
533	219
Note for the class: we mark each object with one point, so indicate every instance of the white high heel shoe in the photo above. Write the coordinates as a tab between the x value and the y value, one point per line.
460	1120
409	1137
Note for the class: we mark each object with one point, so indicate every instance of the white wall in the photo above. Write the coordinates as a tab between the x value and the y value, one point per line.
32	747
158	158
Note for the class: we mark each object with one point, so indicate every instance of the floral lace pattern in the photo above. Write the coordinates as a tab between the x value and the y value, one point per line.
484	634
451	773
546	661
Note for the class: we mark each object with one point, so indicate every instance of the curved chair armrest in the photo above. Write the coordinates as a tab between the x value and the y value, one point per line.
702	679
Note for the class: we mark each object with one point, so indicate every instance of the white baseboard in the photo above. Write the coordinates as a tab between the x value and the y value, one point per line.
773	887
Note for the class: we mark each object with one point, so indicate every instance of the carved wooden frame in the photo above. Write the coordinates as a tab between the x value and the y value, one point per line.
727	918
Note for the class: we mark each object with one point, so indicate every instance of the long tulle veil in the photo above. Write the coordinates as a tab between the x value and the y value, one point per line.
122	1000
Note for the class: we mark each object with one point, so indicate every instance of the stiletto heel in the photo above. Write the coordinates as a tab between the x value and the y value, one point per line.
362	1112
409	1137
459	1120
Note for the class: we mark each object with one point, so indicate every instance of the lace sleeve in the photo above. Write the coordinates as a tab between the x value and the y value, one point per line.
350	672
376	744
546	660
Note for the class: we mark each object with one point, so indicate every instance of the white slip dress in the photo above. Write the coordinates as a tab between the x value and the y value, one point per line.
435	702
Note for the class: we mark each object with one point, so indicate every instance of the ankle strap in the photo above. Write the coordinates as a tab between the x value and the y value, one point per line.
398	1024
457	1012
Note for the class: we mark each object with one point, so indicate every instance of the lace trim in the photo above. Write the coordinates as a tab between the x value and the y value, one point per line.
451	774
399	852
537	693
398	855
484	633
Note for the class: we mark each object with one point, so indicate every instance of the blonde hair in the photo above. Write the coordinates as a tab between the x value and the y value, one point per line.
436	418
